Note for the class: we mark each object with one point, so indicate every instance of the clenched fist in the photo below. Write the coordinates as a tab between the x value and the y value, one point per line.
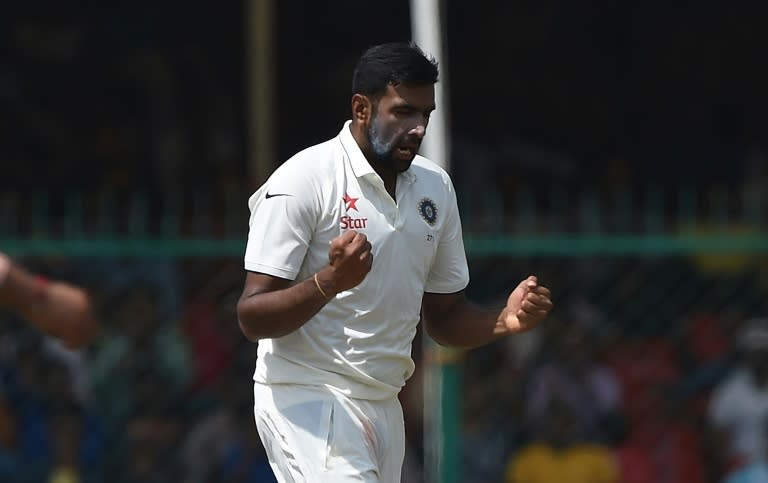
349	261
527	305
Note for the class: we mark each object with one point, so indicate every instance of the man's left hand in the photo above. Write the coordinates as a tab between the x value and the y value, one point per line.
527	305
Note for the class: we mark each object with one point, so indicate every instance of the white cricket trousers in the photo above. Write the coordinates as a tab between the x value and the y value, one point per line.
316	435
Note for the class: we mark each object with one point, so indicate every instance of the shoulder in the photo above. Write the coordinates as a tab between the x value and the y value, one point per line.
428	170
433	181
313	160
304	173
305	176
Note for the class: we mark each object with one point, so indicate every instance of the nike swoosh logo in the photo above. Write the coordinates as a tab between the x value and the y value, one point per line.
268	195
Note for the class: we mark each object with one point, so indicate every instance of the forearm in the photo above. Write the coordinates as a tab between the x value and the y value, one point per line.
57	308
62	311
18	288
266	315
466	325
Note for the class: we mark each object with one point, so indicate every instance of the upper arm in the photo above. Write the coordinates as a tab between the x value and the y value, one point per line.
268	308
449	272
436	307
256	283
282	226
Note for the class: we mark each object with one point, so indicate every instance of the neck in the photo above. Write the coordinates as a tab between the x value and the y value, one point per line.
388	176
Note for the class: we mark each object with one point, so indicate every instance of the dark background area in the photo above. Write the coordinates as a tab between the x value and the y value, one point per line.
662	91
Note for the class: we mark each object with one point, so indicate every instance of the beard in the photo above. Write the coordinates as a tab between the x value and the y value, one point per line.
383	149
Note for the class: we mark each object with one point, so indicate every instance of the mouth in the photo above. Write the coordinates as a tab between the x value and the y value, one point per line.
407	150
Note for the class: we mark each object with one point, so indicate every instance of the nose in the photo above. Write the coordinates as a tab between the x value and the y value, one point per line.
419	130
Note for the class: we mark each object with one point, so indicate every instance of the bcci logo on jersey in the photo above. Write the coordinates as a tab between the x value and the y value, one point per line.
428	211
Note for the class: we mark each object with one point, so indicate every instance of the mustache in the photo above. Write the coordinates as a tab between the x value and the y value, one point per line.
412	142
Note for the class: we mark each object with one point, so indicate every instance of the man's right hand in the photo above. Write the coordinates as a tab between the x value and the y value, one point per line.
350	260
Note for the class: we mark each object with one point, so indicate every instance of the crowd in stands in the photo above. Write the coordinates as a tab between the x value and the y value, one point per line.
163	395
626	382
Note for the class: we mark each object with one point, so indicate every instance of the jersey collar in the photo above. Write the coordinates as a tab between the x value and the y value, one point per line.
360	166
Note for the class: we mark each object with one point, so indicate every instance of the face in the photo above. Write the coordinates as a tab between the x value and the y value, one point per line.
398	125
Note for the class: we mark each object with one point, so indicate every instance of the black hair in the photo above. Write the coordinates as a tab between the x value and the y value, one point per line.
392	63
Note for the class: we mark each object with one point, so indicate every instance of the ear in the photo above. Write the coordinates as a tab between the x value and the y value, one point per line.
361	108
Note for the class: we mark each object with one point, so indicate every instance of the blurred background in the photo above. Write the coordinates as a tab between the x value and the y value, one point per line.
616	150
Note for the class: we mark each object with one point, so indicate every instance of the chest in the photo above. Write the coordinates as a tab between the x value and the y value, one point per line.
404	231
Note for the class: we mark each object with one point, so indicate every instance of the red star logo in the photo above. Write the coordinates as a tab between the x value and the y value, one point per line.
350	202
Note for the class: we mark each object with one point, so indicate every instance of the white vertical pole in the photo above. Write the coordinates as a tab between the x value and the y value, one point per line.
426	28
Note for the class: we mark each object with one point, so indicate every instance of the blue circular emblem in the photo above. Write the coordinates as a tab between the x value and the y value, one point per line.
428	211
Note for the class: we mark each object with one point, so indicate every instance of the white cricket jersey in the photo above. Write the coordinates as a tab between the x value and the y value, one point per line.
360	342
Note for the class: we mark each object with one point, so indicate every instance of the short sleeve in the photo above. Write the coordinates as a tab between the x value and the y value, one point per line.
449	272
282	221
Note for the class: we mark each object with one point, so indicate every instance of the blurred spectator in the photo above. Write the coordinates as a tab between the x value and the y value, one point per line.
210	326
738	409
138	349
245	461
153	434
576	378
76	364
754	472
141	464
644	367
66	433
205	444
634	462
223	444
55	435
492	425
666	439
558	453
9	458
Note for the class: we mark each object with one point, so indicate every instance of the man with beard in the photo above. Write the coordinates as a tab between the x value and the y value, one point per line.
350	242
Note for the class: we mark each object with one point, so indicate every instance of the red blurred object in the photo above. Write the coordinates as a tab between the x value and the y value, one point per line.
213	354
706	338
